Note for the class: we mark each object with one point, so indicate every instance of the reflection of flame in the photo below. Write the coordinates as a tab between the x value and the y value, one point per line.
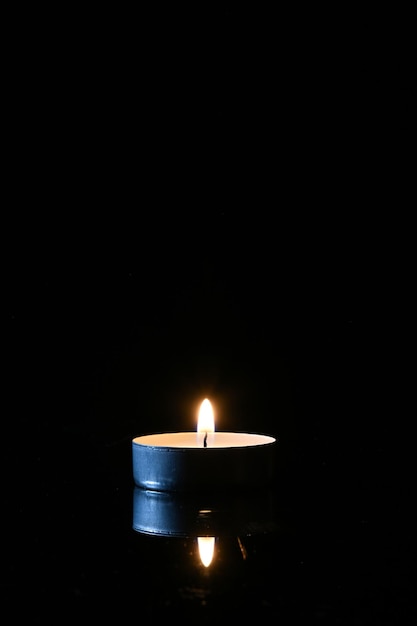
205	418
206	549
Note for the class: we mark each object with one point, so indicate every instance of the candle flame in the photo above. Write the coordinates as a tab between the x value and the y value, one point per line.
205	418
206	549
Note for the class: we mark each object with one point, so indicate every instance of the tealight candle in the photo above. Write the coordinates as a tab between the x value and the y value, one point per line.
202	460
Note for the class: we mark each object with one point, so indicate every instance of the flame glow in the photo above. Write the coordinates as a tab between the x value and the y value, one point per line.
206	549
205	418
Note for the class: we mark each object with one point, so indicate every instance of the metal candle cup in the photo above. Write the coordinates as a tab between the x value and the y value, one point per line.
181	462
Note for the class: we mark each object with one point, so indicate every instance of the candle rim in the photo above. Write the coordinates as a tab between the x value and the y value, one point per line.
222	437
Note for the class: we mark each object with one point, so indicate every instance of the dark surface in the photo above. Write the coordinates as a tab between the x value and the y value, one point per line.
219	209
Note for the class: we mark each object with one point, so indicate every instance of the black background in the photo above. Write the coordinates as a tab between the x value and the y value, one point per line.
210	203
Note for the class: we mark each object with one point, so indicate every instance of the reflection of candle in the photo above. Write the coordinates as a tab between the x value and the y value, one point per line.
206	549
225	514
182	461
206	518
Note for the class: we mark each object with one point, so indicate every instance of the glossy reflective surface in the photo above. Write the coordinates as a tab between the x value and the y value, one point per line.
320	546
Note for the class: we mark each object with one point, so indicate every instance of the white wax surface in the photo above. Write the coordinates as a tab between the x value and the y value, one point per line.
195	440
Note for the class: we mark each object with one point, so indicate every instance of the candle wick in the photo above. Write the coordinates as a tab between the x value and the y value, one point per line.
205	440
